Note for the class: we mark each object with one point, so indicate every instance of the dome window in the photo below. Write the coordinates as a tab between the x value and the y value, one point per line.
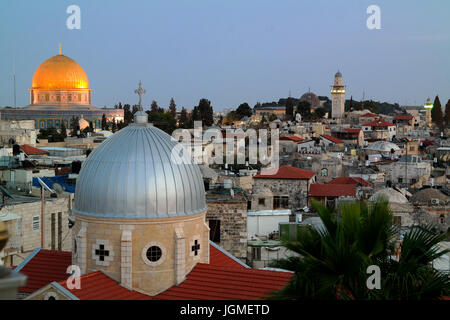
154	253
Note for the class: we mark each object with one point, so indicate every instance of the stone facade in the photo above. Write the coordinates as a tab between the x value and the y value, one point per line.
232	214
124	245
25	231
296	190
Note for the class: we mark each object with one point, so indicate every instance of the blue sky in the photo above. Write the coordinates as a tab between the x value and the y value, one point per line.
232	51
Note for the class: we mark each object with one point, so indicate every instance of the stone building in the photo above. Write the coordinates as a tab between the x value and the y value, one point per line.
17	132
289	186
410	171
227	220
22	216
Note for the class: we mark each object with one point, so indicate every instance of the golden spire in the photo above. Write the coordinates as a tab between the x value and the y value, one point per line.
60	48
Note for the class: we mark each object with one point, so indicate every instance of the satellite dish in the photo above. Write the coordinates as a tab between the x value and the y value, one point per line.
58	188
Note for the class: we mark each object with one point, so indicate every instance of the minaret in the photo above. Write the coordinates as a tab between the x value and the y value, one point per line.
338	97
428	106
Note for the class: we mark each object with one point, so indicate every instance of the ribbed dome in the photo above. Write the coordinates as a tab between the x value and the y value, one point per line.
131	175
60	72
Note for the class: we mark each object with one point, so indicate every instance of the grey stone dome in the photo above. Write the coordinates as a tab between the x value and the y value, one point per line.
133	175
311	98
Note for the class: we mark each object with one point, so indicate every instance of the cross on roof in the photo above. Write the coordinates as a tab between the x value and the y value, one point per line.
140	91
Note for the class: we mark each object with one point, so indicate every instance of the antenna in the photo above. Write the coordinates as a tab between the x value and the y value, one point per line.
14	79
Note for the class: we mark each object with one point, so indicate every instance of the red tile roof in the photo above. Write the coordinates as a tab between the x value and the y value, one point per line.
32	150
208	282
285	172
331	138
204	282
352	130
98	286
292	138
43	267
219	258
350	180
378	123
404	117
369	115
332	190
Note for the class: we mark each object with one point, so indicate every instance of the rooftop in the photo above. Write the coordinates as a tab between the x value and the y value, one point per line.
285	172
332	190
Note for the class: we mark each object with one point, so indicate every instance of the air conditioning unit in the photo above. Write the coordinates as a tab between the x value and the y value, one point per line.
435	201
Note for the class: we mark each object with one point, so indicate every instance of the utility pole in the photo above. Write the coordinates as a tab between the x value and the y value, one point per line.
42	218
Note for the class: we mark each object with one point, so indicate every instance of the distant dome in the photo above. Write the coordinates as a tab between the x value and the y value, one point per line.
425	195
131	175
383	146
391	194
311	98
60	72
338	74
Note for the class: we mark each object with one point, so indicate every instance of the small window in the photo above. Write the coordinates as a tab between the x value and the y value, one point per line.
47	97
398	220
154	253
214	231
79	97
69	98
262	201
400	180
36	223
256	253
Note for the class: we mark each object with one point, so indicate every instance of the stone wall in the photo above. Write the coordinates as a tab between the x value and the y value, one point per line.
296	190
24	239
233	224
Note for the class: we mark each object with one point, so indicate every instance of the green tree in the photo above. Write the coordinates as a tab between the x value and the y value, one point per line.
104	124
183	118
173	108
289	108
114	126
203	112
320	112
127	115
243	110
154	106
164	121
447	114
436	113
63	129
332	260
304	108
74	126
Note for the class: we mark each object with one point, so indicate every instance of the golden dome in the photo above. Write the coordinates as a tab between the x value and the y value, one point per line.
60	72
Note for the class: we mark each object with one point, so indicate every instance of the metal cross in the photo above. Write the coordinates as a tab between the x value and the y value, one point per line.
140	91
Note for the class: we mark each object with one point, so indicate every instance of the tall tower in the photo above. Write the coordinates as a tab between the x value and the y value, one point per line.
338	97
428	106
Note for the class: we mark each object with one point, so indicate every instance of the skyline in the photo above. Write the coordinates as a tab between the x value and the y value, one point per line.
232	52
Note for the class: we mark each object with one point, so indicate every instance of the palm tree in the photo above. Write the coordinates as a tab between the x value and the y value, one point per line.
332	261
